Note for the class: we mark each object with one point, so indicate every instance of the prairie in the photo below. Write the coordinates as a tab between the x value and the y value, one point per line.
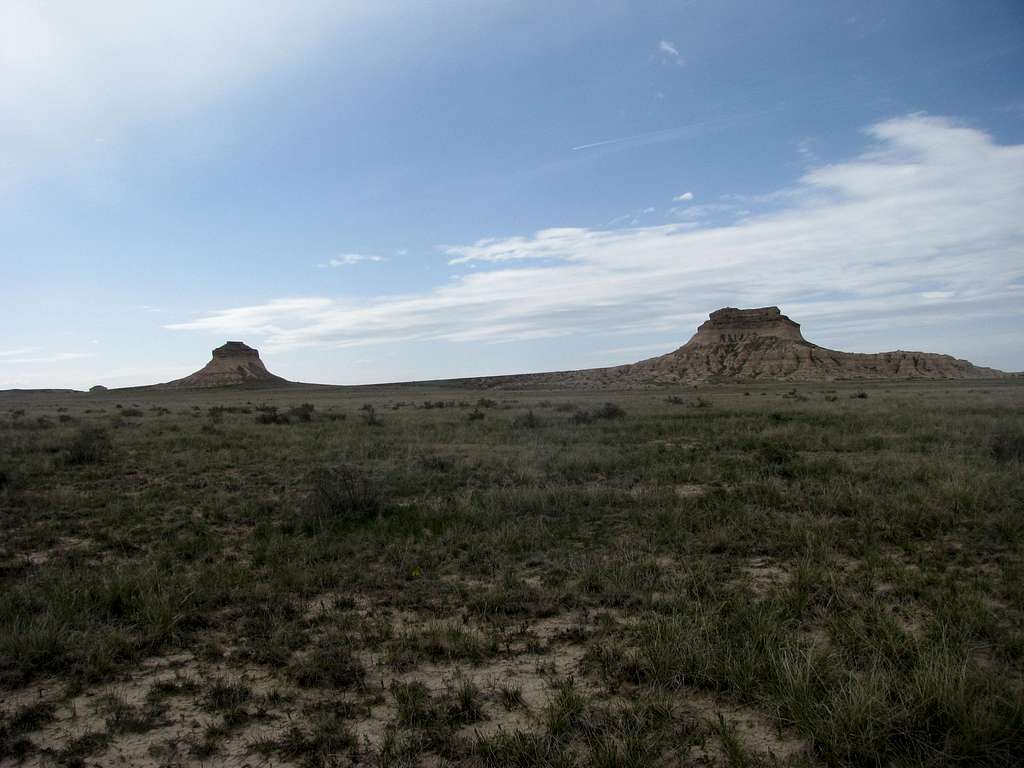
742	575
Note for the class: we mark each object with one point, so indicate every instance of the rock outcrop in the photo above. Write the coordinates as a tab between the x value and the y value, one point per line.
233	364
750	344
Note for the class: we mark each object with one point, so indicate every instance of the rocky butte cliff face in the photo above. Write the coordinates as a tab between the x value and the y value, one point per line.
748	345
744	344
235	363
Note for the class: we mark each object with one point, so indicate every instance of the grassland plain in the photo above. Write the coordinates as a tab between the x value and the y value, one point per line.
742	575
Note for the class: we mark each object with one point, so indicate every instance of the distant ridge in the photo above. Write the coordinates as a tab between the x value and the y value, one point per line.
233	364
737	345
732	345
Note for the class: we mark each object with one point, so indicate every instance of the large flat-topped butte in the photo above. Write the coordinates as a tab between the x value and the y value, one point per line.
234	363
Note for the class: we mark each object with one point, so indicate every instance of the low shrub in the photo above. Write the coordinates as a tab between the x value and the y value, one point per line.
342	493
1007	448
609	411
370	416
272	417
302	412
528	420
89	446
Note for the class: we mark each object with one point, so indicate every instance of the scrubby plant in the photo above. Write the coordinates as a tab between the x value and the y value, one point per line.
330	666
609	411
269	415
370	415
302	412
342	493
528	420
89	446
1008	447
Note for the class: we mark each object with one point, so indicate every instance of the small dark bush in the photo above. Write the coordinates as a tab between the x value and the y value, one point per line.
343	493
132	412
862	395
370	416
486	402
476	414
1007	448
609	411
89	446
779	460
701	403
272	417
675	400
528	420
581	417
334	666
302	412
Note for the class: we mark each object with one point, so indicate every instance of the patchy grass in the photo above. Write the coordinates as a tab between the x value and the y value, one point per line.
776	574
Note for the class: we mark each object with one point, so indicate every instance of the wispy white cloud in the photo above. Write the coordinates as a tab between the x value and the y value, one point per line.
348	259
683	198
669	52
18	352
923	226
707	211
58	357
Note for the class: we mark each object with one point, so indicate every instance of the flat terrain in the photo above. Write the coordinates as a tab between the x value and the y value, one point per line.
742	575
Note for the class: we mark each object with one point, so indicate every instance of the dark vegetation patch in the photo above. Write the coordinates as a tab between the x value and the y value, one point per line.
89	445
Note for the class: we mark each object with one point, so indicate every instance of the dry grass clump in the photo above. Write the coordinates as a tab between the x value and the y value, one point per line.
528	420
342	494
1008	448
89	445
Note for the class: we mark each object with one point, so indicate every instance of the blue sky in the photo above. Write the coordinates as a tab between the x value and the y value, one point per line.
391	191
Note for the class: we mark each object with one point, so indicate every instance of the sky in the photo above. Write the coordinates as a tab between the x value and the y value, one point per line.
390	191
